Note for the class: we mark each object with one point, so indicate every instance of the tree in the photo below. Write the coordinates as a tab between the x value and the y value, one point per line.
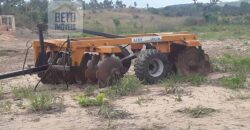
119	4
147	6
108	4
135	4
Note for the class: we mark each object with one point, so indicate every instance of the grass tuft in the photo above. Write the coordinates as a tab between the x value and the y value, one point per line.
128	85
5	106
175	80
109	112
233	82
197	112
21	93
42	101
86	101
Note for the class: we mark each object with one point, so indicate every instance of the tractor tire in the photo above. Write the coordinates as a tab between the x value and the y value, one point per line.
152	66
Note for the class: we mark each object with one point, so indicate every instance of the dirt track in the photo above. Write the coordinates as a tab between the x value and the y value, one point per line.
157	112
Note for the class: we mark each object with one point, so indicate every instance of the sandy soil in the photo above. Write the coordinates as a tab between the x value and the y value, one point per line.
156	112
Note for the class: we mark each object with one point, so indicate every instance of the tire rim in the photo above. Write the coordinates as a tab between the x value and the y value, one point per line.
156	67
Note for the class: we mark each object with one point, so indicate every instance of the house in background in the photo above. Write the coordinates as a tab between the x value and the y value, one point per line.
7	23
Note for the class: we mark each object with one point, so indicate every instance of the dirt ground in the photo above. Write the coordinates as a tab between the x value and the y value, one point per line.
157	112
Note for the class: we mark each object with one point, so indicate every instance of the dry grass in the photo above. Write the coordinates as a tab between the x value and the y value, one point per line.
197	112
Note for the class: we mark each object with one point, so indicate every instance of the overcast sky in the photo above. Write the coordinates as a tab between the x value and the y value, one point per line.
160	3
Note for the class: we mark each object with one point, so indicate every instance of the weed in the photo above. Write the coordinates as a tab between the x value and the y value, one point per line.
88	91
86	101
109	112
240	96
1	92
196	80
5	106
23	92
233	82
128	85
174	81
178	98
197	112
42	101
141	100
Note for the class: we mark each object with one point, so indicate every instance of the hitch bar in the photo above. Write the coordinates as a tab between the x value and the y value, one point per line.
35	70
24	72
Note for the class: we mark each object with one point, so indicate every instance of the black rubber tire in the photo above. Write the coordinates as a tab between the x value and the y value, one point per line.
142	66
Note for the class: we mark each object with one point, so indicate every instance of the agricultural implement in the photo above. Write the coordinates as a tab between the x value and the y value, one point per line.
106	58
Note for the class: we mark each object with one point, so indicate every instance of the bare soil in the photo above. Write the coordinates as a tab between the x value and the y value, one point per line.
157	111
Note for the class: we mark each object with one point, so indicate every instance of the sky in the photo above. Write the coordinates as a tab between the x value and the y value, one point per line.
160	3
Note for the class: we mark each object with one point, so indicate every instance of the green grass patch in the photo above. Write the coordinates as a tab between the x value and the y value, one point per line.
197	112
233	82
22	92
219	31
43	101
129	85
87	101
175	80
239	64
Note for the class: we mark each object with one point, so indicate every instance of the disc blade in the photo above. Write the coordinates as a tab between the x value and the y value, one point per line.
109	70
90	72
192	61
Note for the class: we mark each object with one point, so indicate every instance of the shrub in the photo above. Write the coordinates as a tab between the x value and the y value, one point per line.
117	22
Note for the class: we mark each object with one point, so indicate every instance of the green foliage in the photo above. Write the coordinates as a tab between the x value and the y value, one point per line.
238	64
196	80
86	101
42	101
197	112
22	92
117	22
128	85
177	79
233	82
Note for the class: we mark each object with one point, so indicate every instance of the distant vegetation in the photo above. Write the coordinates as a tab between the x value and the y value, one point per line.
211	20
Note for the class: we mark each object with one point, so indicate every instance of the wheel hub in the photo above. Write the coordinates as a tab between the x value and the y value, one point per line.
156	67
